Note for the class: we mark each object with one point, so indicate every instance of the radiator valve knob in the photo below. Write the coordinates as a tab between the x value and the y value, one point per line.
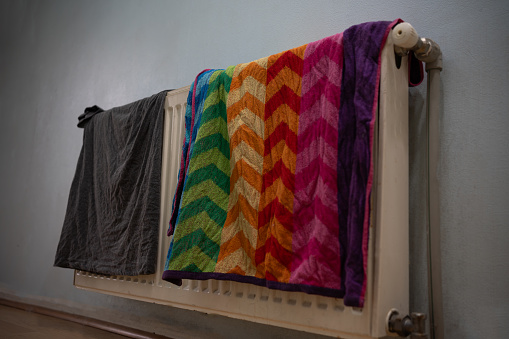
404	35
414	325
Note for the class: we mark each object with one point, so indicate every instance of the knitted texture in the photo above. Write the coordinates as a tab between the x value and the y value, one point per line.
200	88
275	189
206	191
275	223
246	104
316	204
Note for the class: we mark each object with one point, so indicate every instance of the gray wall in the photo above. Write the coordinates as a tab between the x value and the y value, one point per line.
58	57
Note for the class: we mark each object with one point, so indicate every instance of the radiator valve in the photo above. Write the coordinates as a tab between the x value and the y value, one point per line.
413	325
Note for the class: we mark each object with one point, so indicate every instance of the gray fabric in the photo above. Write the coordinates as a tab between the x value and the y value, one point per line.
112	221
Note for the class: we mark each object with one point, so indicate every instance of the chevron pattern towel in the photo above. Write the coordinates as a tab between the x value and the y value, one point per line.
276	170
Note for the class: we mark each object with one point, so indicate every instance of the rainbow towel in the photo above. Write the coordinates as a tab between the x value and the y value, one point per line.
276	171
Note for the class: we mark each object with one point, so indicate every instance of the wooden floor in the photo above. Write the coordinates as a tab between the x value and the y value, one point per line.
18	324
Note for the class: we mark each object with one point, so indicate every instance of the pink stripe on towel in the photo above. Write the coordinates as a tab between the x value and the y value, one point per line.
316	257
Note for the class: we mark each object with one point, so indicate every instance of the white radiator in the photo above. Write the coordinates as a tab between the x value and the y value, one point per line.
388	245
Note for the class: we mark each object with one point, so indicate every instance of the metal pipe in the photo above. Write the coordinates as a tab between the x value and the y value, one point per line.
434	247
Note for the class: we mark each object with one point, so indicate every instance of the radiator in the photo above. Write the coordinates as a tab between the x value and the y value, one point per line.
388	258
